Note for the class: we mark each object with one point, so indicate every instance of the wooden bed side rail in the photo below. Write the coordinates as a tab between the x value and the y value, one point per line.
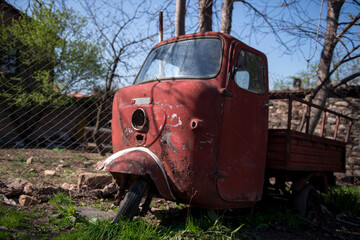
323	110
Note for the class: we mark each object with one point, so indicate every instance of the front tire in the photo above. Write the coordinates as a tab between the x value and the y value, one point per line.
129	206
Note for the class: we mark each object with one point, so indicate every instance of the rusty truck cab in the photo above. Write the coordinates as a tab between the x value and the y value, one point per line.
194	123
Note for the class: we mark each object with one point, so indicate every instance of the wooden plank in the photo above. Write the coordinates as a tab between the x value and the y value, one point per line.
306	152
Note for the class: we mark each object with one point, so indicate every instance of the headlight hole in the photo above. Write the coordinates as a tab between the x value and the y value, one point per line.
138	119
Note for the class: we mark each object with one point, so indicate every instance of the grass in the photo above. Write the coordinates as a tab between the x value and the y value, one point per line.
204	228
20	159
104	205
13	218
67	224
125	229
69	171
194	228
18	222
275	216
62	199
28	175
343	199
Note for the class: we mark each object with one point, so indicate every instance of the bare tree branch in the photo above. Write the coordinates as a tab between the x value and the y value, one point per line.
267	21
347	27
347	79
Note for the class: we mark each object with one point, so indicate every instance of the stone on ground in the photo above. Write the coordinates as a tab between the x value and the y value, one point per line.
89	212
94	180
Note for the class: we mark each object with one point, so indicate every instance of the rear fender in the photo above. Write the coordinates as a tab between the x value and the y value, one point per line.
139	161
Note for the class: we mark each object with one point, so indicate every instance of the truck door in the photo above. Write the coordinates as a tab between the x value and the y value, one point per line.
244	130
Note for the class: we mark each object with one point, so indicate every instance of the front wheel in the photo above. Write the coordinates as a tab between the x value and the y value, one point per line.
130	204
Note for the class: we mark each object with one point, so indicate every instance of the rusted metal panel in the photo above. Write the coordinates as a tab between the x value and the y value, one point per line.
243	140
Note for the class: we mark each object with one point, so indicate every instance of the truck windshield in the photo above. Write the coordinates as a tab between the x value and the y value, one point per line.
195	58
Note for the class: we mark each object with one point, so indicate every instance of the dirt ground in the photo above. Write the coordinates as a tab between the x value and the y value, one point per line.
32	164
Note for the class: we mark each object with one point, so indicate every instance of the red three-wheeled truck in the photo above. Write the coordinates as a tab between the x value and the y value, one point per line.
193	128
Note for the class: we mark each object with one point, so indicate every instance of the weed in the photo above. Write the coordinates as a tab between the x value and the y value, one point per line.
3	171
125	229
12	218
275	215
178	205
28	175
343	199
5	235
66	219
163	207
204	228
69	171
17	221
79	157
104	207
62	198
20	159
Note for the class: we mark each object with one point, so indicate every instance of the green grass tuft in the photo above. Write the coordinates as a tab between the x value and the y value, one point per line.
12	218
343	199
62	199
276	215
204	228
125	229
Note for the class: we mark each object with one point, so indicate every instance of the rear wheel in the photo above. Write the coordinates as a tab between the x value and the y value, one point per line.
129	206
307	201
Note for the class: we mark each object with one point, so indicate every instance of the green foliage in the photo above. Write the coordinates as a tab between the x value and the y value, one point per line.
66	219
125	229
309	78
17	221
204	228
50	55
12	218
62	199
343	199
276	215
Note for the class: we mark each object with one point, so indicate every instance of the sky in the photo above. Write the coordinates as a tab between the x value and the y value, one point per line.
282	62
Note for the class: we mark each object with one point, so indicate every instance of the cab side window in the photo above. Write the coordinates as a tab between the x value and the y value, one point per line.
249	72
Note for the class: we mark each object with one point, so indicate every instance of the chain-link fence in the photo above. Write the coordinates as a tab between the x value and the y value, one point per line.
44	104
48	99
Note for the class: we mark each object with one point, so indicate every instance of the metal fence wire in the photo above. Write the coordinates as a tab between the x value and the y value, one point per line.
51	118
34	112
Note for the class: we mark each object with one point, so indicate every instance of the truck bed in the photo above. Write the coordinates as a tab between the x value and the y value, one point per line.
297	151
293	150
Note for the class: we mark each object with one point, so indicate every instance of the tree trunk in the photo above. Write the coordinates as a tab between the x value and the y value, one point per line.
180	17
205	15
333	12
226	16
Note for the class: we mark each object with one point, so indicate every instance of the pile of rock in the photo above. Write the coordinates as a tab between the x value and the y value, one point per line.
16	191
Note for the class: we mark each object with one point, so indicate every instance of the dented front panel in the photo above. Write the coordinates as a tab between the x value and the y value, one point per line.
181	130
